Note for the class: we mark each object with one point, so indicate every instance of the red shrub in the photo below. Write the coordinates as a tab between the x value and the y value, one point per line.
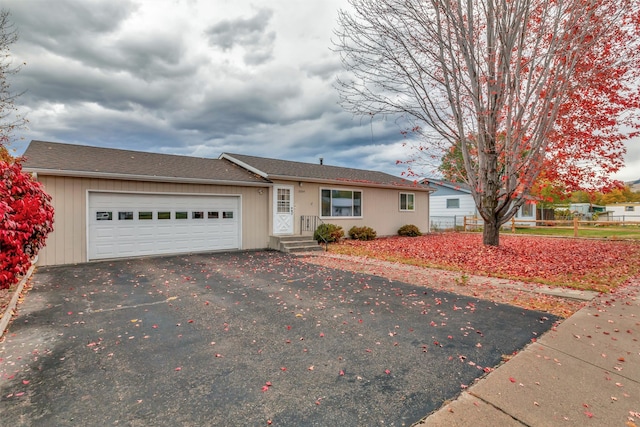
26	218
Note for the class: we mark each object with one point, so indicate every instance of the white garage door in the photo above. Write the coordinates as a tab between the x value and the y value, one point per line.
124	225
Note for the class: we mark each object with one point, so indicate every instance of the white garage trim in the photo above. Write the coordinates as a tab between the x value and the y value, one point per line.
128	224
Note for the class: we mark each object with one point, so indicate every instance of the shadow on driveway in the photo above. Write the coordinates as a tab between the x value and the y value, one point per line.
247	339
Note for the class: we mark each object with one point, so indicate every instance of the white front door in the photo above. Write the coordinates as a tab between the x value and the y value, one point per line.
282	209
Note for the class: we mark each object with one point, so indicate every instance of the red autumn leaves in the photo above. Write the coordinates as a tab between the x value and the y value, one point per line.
579	263
26	216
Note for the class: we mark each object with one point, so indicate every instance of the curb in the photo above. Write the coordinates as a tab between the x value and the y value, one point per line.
6	317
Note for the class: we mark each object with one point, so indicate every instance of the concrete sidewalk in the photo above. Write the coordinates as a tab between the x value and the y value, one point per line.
586	371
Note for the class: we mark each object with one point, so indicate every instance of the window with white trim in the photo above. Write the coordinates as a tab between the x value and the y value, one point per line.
453	203
527	210
341	203
629	208
407	202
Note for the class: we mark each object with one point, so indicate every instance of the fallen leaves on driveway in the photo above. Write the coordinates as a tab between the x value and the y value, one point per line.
496	290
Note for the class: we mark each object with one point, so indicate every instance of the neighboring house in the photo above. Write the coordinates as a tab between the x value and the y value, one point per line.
586	210
112	203
628	211
449	203
452	201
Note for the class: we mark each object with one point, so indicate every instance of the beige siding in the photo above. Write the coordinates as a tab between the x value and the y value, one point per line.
380	208
67	244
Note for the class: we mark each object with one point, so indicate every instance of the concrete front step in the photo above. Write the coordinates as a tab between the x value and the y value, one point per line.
294	244
306	248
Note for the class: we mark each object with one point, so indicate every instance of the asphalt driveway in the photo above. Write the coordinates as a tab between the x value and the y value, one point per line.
247	339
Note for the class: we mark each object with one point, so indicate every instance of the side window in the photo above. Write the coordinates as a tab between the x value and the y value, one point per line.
453	203
527	209
407	201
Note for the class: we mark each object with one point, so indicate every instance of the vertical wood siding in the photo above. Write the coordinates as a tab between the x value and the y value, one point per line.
67	244
380	208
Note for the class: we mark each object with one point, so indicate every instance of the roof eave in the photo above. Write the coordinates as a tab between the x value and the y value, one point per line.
153	178
408	186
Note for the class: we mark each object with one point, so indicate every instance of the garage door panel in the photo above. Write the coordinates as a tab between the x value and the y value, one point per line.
154	228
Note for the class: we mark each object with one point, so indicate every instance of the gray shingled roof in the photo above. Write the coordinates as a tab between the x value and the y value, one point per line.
82	160
459	186
285	169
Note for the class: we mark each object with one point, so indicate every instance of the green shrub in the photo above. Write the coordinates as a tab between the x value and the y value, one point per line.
409	230
362	233
328	232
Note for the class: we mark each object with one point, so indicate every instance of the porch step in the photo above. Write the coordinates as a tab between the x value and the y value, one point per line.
291	244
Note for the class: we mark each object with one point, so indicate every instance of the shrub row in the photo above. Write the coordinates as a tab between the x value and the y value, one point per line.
332	233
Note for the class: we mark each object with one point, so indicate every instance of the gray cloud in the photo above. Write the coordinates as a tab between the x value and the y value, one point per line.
195	78
250	34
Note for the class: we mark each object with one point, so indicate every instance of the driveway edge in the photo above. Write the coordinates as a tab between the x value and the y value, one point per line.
6	316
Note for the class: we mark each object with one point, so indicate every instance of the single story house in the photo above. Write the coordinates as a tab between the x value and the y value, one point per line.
625	211
450	202
112	203
586	210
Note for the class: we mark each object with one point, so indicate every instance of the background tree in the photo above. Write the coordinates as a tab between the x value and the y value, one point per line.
9	117
452	166
506	79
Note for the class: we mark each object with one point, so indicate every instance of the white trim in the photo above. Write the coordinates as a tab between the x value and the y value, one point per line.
244	165
150	178
160	193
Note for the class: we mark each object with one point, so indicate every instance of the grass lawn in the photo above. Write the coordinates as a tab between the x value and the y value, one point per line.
598	265
612	233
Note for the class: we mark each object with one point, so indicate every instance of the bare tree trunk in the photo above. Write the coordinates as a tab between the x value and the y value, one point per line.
491	232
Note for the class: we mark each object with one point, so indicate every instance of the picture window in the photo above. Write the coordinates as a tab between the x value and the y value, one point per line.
341	203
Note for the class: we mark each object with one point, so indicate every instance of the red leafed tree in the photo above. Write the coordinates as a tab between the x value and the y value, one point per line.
521	86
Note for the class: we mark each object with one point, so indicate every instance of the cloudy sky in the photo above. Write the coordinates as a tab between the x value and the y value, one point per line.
197	77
